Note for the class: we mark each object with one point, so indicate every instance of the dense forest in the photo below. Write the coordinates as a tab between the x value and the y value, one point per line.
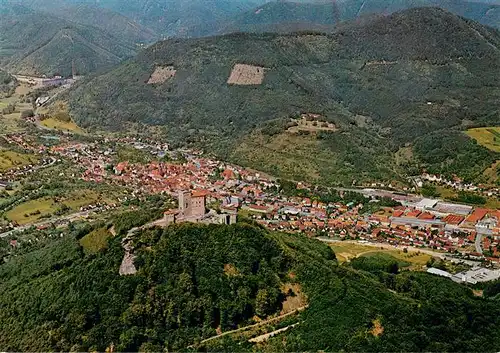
195	281
386	84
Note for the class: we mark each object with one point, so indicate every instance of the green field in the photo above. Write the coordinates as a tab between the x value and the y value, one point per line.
33	210
10	159
488	137
347	251
12	123
70	126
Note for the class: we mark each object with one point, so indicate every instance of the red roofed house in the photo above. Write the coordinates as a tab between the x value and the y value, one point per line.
259	209
228	174
121	167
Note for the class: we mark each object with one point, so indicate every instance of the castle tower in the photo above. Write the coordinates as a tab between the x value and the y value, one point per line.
198	203
185	203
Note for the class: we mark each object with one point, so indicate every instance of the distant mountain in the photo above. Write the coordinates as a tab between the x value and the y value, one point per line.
387	84
289	16
37	43
112	22
145	20
284	17
484	13
166	17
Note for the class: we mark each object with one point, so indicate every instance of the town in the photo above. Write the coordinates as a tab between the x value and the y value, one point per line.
460	230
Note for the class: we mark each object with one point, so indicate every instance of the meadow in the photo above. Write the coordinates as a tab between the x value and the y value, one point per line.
10	159
346	251
488	137
12	123
55	124
45	207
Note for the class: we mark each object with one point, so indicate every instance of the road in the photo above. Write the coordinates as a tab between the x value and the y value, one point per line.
262	323
479	239
410	248
265	337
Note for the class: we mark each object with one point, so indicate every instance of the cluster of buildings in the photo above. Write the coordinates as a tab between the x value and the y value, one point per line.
472	276
457	184
419	222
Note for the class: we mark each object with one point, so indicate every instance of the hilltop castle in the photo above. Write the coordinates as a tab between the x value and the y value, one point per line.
193	208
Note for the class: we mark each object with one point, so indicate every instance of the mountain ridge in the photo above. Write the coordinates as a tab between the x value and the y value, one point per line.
322	15
36	43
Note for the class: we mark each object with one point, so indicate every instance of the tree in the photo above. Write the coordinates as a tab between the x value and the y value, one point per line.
262	302
27	113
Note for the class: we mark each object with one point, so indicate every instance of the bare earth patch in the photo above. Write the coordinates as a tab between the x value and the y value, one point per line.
295	299
162	74
243	74
377	329
478	292
231	271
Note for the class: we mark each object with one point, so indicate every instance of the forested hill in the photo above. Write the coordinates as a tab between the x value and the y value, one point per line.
37	43
386	84
421	34
195	281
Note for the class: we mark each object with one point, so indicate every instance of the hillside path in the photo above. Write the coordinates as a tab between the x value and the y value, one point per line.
262	323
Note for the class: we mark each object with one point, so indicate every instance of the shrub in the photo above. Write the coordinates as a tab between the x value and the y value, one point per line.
27	113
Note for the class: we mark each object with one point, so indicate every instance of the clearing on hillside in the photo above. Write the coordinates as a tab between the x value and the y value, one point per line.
96	240
377	329
34	210
162	74
492	174
294	297
245	75
55	124
312	123
488	137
